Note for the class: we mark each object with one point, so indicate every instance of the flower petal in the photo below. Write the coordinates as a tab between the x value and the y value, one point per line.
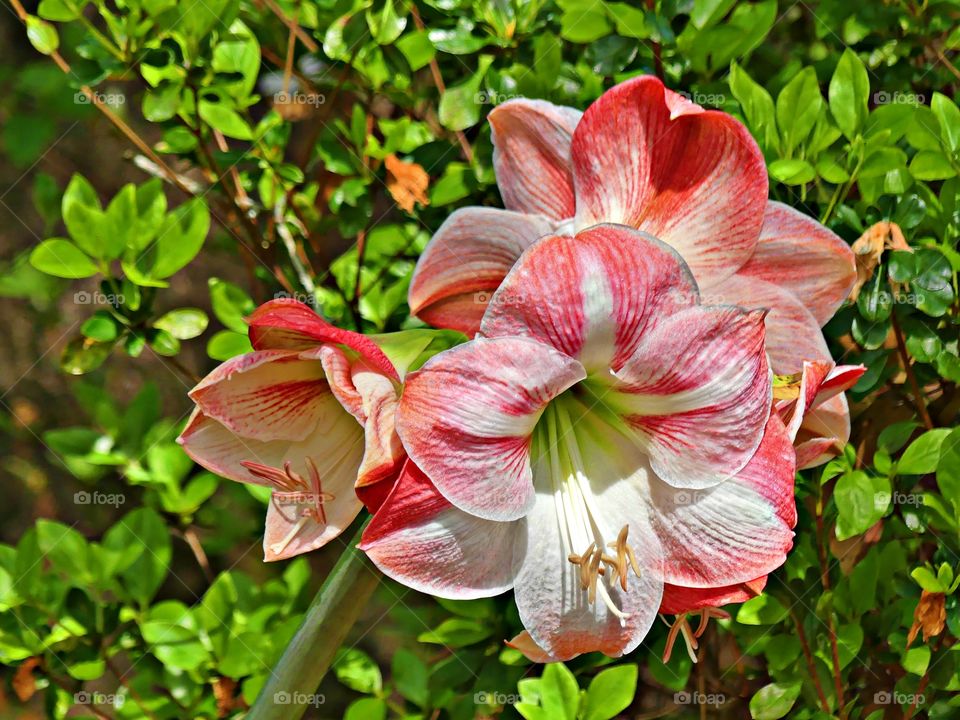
533	652
798	254
289	324
793	334
694	179
678	600
733	532
466	416
419	539
823	433
592	296
697	392
266	395
531	156
466	260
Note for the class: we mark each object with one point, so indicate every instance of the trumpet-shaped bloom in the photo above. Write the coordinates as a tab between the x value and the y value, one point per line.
604	435
644	156
310	414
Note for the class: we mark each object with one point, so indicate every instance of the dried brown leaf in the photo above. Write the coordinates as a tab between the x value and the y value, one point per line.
407	182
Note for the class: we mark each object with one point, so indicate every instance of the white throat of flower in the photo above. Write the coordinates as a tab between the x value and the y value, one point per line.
602	556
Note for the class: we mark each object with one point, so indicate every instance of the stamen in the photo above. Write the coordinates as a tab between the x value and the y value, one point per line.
279	547
293	488
680	626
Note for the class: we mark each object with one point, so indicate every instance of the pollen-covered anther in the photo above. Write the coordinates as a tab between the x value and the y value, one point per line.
624	557
593	564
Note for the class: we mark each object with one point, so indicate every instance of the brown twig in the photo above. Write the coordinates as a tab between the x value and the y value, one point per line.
918	396
308	42
189	536
811	665
946	62
831	629
121	678
441	88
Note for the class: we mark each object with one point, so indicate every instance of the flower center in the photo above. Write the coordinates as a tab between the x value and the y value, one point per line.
561	470
292	488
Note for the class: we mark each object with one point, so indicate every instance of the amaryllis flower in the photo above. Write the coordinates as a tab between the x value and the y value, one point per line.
605	434
643	156
310	414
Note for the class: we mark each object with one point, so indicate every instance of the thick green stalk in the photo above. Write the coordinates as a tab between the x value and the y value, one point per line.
292	686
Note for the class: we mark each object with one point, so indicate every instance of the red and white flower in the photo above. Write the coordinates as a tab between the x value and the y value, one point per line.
644	156
310	413
604	435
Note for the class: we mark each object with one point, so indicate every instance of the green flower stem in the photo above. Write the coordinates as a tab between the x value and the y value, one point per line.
310	653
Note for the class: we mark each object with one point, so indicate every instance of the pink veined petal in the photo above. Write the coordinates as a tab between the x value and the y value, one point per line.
466	417
265	395
823	433
531	156
289	324
818	383
678	600
466	260
533	652
793	335
697	392
695	179
592	296
371	397
840	379
798	254
419	539
733	532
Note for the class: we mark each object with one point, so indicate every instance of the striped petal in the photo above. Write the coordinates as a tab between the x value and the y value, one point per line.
798	254
823	433
697	393
289	324
531	156
694	178
266	395
466	260
733	532
592	296
793	334
466	417
678	600
419	539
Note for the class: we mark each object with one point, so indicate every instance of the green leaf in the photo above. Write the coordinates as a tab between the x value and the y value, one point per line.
927	580
366	709
230	304
144	534
357	670
761	610
792	171
417	49
101	326
183	323
180	237
83	216
82	355
948	469
60	257
861	501
775	700
931	165
460	106
848	94
411	677
559	692
916	660
798	106
949	116
225	119
923	454
227	344
757	106
583	22
42	35
610	692
457	632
